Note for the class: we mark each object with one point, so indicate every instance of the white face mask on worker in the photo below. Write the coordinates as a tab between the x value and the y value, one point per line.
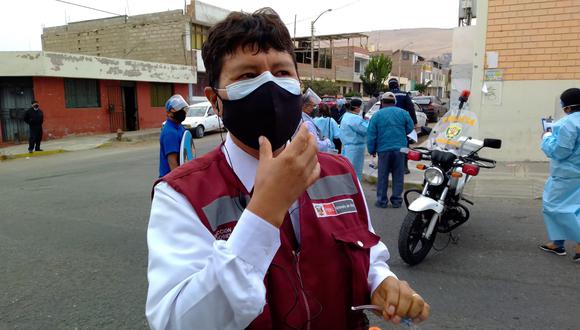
241	89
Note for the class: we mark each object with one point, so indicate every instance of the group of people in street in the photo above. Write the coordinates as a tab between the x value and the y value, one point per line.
351	135
240	229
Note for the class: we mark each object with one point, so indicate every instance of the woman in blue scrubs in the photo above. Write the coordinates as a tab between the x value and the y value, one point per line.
561	200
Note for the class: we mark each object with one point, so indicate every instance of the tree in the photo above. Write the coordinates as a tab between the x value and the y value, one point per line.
376	72
321	87
421	88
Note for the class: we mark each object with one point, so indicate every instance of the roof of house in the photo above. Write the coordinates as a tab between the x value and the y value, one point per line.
51	64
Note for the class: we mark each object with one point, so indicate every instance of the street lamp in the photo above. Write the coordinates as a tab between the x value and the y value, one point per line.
312	43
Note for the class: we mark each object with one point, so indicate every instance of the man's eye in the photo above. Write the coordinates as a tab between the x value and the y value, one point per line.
282	73
247	76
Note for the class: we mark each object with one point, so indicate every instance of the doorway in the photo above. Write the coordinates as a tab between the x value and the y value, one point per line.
16	96
130	107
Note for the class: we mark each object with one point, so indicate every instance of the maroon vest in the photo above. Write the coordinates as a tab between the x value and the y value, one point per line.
311	285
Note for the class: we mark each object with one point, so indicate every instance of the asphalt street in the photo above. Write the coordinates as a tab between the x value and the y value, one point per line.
73	251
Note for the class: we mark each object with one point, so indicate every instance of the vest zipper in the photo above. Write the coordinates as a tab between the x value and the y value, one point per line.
297	263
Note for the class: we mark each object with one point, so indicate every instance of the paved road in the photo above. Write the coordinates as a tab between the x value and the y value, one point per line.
73	251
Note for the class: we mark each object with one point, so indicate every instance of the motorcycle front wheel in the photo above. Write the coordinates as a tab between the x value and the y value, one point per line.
413	246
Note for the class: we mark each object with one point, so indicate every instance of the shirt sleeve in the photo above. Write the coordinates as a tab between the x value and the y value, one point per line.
191	275
560	146
171	142
409	126
379	269
335	129
411	110
372	135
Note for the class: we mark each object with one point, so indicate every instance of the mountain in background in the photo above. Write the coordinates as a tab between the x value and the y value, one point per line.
429	43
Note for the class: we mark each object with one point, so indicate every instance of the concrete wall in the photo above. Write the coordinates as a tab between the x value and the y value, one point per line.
156	37
523	101
81	66
206	13
60	121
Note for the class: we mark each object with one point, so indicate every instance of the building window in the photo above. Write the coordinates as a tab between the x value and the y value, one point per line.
81	93
198	35
160	93
357	66
405	56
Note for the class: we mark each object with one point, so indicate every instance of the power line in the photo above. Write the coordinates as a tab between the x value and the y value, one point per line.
87	7
333	9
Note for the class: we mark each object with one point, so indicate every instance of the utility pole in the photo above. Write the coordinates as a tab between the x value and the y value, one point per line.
312	43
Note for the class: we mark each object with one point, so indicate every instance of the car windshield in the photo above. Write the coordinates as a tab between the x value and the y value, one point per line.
422	100
196	111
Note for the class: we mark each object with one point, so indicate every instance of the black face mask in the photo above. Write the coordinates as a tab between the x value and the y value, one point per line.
268	111
179	116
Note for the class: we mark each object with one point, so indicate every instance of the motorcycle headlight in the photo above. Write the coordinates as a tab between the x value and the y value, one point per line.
434	176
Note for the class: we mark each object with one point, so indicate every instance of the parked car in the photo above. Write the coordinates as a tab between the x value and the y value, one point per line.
432	106
421	116
200	118
329	100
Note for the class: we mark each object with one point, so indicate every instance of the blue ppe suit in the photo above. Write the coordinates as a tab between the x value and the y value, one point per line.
561	199
323	144
353	133
328	128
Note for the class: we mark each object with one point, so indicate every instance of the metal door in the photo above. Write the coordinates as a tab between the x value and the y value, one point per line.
115	107
15	98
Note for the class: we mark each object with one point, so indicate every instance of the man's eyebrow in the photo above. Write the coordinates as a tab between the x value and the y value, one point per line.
283	63
243	67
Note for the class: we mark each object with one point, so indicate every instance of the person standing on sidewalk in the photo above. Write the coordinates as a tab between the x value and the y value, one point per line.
387	135
171	134
561	199
34	117
404	102
353	132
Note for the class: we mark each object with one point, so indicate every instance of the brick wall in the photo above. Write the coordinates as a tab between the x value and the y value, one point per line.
535	39
156	37
60	121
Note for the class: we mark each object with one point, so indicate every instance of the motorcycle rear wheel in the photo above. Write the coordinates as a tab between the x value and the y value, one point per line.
413	246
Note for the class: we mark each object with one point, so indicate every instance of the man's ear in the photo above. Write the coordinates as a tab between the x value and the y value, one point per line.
214	100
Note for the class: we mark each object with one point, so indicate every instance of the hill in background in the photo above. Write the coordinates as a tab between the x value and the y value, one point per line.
429	43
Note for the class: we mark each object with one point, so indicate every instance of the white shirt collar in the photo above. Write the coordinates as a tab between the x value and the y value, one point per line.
244	165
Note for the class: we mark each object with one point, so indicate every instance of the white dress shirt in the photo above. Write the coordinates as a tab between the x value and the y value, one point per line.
198	282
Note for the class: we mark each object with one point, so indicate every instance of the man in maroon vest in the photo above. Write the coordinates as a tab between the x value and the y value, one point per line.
264	232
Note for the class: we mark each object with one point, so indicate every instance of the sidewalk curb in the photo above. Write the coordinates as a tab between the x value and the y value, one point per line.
34	154
370	179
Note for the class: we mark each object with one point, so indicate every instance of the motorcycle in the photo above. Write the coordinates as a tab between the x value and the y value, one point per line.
454	161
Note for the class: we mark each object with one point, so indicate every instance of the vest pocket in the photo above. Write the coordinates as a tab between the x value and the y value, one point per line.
356	244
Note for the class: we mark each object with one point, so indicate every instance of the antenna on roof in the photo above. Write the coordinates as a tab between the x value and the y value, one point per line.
467	11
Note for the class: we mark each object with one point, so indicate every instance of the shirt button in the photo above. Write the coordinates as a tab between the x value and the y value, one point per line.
359	243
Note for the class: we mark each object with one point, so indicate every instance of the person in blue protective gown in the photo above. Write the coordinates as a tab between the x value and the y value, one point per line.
353	135
561	200
328	126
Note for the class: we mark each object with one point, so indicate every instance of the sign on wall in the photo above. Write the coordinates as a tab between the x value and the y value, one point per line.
493	75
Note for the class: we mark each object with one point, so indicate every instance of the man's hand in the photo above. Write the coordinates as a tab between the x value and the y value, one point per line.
281	180
399	301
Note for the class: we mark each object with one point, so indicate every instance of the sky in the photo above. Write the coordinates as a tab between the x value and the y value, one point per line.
21	21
